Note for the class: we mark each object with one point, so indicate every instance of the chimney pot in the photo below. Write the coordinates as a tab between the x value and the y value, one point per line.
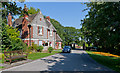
48	18
10	19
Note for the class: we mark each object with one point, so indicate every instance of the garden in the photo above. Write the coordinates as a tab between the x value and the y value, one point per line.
11	42
34	52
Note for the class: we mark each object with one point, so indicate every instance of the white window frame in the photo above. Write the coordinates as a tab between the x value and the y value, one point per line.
40	44
51	32
40	30
51	44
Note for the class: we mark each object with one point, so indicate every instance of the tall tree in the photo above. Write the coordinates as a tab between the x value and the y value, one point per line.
31	10
101	25
9	35
68	34
10	7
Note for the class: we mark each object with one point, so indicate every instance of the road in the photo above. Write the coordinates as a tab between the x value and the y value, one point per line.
77	60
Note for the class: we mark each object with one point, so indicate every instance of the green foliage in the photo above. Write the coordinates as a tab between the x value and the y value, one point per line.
5	38
34	46
101	25
10	35
10	39
111	62
30	47
25	47
3	57
68	34
10	7
39	55
50	49
40	48
31	10
21	1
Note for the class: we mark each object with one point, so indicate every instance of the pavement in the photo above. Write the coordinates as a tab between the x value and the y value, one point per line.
77	60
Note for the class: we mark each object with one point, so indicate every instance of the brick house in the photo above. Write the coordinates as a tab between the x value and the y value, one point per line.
42	30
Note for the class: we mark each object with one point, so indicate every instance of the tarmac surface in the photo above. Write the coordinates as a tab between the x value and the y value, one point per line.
77	60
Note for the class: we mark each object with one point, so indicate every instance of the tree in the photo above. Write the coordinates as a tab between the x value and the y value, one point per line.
9	35
68	34
31	10
10	7
101	25
10	38
5	38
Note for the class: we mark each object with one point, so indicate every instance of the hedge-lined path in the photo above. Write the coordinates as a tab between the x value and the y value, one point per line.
77	60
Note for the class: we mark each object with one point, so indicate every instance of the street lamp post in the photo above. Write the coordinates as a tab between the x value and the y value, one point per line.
29	26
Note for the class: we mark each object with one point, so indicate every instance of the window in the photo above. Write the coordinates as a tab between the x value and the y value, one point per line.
51	44
40	43
40	19
67	47
50	32
40	30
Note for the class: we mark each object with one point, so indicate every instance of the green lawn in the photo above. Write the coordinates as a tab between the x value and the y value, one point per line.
111	62
1	61
39	55
1	67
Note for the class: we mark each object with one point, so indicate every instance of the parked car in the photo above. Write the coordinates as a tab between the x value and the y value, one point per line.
67	49
92	48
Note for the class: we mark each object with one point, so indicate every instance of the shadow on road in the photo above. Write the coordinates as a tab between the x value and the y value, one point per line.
73	62
78	49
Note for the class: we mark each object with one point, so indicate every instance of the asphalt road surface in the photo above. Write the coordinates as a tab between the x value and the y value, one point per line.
77	60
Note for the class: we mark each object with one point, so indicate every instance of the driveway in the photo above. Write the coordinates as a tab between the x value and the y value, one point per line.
77	60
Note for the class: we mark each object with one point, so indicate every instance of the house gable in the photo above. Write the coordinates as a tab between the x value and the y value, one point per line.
50	25
39	20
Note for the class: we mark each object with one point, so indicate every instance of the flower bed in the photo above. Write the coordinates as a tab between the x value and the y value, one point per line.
106	54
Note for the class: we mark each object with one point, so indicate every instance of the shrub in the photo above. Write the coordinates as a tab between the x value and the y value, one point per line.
3	56
40	48
24	46
28	50
34	46
30	47
50	49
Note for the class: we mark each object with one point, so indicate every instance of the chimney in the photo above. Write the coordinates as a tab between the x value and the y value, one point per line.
48	18
25	11
10	19
25	8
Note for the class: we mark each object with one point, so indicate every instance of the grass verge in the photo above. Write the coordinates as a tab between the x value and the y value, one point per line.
1	67
111	62
38	55
1	61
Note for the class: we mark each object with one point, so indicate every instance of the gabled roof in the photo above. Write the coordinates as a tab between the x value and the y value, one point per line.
49	24
58	38
18	21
